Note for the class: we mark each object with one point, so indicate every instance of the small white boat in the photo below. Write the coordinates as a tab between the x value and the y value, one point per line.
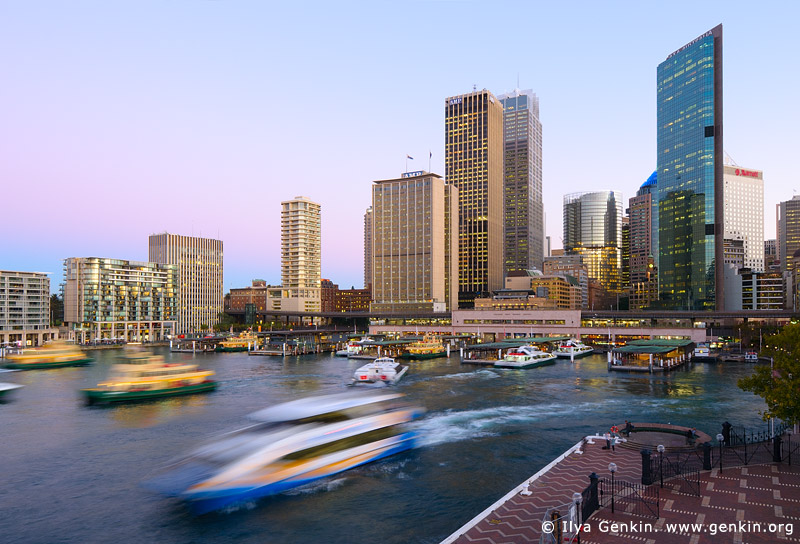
382	369
354	347
751	357
526	357
572	348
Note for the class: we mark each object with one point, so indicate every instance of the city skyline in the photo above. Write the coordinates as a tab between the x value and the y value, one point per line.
135	119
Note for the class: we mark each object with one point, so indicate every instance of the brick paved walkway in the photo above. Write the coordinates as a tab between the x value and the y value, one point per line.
743	496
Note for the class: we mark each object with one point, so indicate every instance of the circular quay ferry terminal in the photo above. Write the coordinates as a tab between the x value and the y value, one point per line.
655	484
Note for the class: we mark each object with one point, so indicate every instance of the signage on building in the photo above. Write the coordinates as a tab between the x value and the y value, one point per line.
455	101
694	41
413	174
747	173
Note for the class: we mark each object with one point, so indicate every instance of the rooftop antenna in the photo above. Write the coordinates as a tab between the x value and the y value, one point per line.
474	87
729	159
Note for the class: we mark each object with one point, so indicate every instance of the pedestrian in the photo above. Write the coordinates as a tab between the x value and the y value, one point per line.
607	436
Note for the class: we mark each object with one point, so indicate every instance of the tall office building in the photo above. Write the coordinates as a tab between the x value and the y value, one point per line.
474	165
639	212
788	229
368	248
744	213
573	266
109	299
593	229
25	308
301	255
415	218
200	277
771	255
688	206
522	187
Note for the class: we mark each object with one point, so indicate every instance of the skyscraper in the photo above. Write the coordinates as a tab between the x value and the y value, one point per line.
522	158
301	255
200	277
639	208
788	227
368	248
474	165
688	206
744	213
593	229
414	219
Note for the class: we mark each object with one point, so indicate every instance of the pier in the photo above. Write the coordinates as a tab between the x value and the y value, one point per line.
655	477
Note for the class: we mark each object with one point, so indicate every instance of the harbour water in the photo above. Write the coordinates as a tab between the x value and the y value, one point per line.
73	474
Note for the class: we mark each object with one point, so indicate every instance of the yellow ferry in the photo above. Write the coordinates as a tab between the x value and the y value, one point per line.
427	348
55	354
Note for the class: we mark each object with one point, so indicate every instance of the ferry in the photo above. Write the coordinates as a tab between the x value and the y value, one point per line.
382	369
290	445
702	352
243	342
526	357
427	348
354	347
143	375
572	348
55	354
751	357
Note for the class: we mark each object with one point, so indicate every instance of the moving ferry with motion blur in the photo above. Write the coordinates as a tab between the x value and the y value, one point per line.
141	375
55	354
572	348
289	445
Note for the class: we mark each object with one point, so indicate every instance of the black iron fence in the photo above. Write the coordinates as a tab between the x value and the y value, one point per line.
634	499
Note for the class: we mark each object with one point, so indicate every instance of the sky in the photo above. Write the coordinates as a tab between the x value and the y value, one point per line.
123	119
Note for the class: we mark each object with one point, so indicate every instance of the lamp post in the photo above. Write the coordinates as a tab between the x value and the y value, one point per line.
719	441
577	498
660	449
612	467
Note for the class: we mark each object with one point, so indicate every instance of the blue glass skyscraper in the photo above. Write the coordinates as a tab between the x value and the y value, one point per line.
688	203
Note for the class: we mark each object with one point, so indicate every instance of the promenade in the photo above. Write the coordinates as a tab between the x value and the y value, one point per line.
738	504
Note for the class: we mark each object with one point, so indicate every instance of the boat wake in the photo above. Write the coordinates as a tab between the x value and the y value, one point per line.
482	374
320	486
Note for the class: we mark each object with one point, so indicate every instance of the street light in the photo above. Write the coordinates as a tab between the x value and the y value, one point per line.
612	467
660	449
720	438
577	498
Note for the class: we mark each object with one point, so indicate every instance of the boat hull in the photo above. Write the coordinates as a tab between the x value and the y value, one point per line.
577	355
525	364
231	350
99	396
209	502
442	353
51	364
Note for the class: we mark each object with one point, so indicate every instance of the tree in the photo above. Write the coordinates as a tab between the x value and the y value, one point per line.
779	384
56	310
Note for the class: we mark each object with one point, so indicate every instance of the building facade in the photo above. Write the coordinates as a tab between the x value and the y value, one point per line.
688	206
25	308
474	165
199	262
414	219
523	214
256	295
762	291
368	248
352	300
788	231
113	299
744	213
593	230
301	254
639	212
570	265
771	262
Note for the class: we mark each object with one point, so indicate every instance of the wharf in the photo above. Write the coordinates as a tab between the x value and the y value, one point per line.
267	352
762	494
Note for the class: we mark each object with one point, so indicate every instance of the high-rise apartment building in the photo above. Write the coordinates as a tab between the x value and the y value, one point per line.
199	262
25	308
414	225
639	212
111	299
474	165
593	230
301	254
368	248
522	188
788	229
688	204
744	212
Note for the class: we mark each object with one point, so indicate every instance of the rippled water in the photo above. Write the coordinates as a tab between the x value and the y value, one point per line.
73	474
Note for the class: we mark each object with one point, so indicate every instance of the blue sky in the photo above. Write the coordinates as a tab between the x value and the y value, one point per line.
123	119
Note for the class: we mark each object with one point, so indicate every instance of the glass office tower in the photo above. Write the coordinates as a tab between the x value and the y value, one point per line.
688	206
